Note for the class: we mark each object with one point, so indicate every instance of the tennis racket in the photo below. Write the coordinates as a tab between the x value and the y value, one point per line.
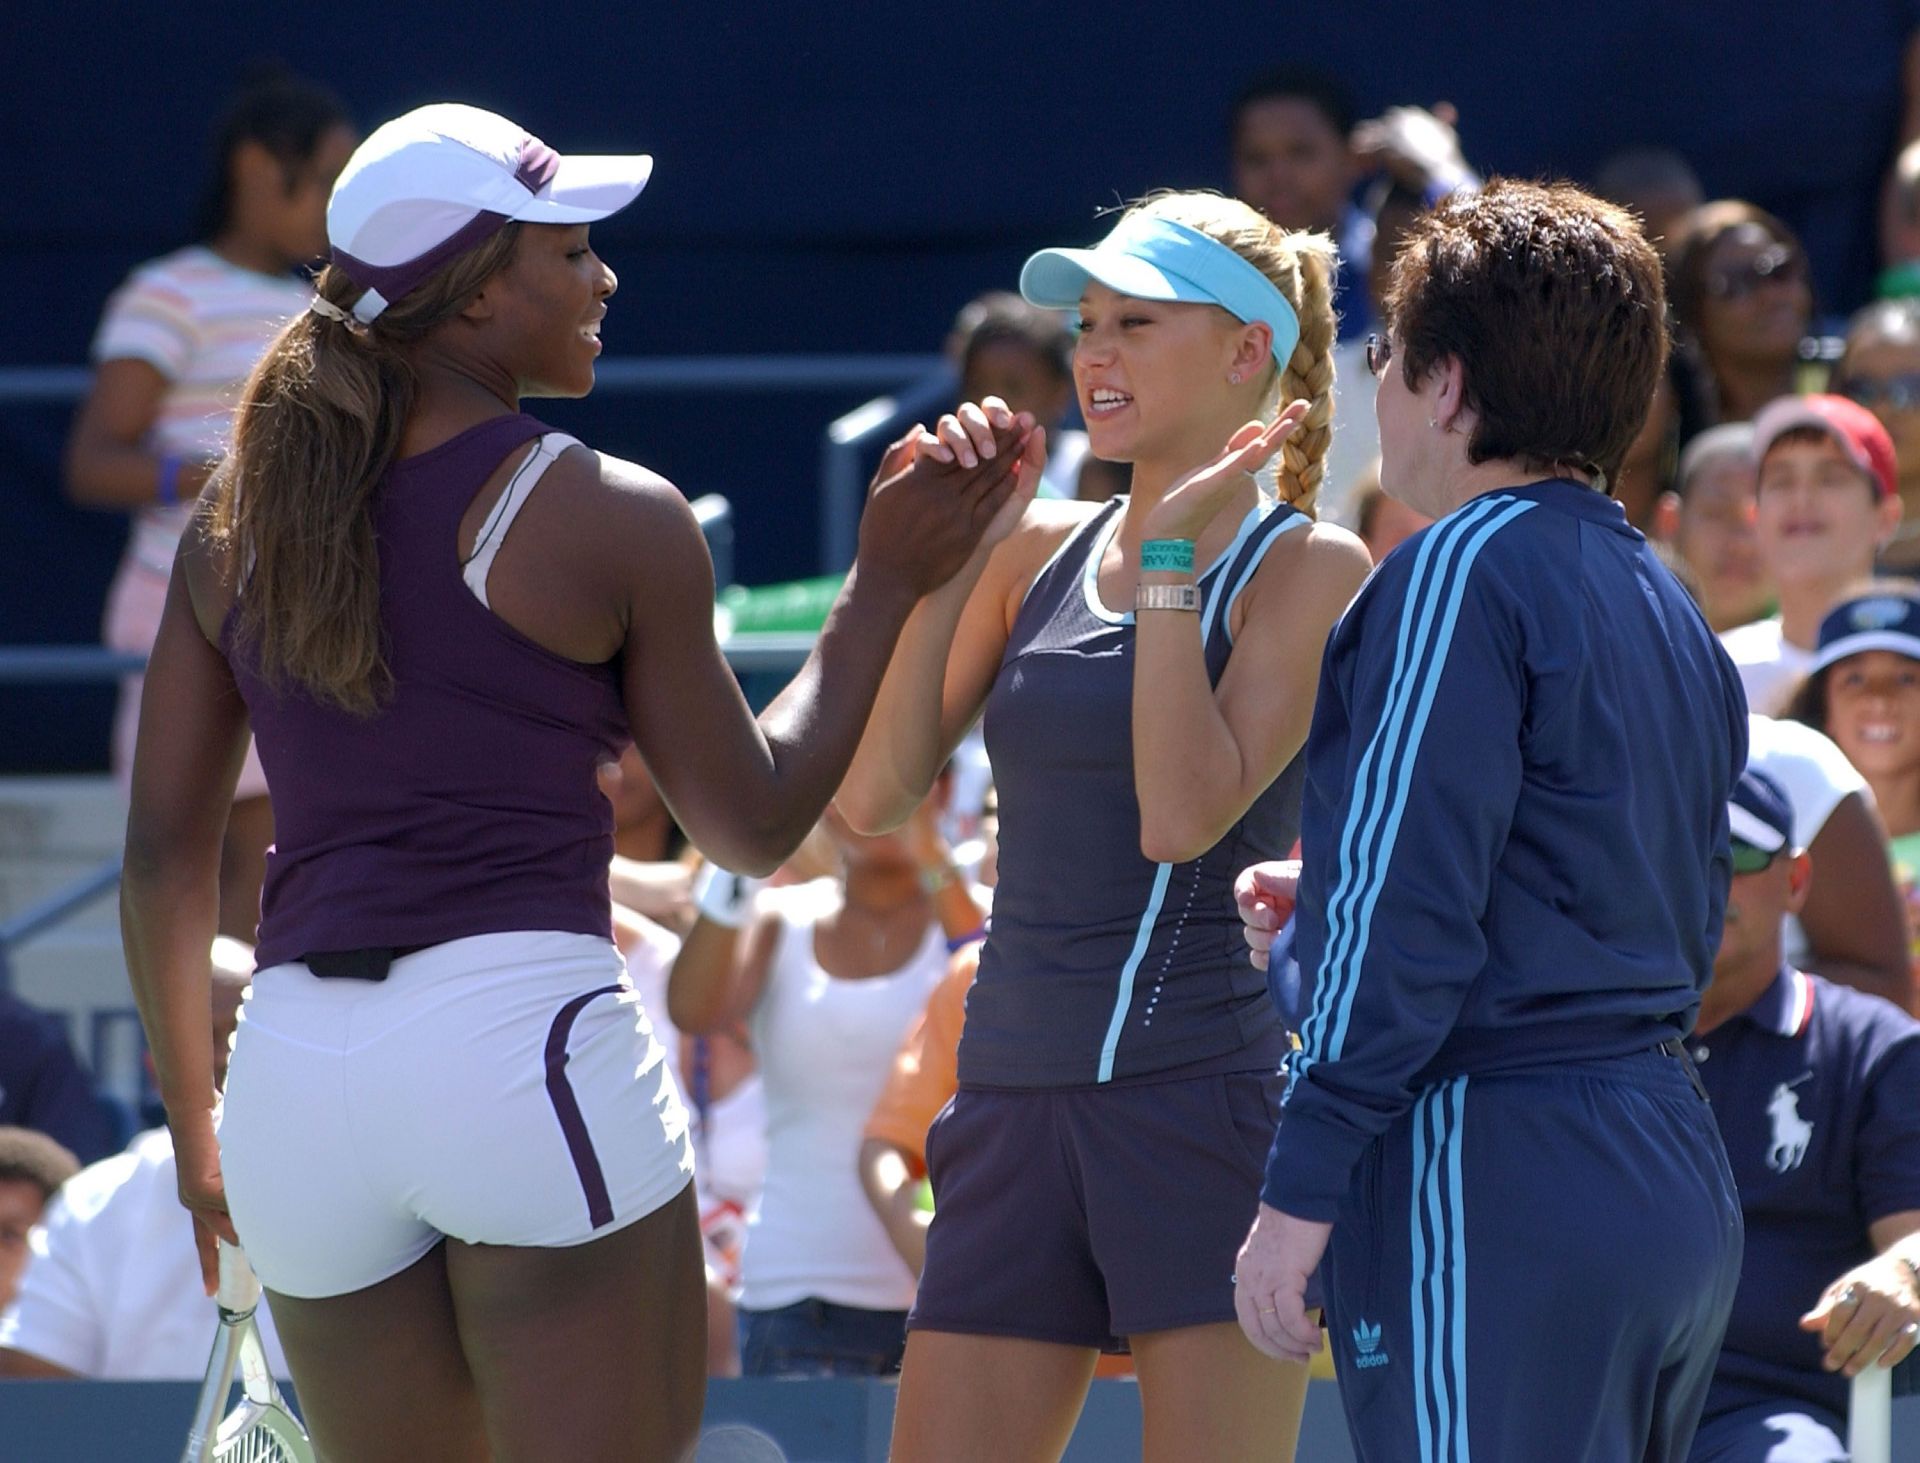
260	1429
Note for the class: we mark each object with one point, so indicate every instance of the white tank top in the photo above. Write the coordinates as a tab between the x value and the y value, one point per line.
825	1048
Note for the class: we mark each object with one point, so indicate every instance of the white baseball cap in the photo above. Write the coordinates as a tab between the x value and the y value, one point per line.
434	183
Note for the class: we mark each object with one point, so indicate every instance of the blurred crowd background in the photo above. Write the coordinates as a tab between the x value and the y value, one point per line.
843	181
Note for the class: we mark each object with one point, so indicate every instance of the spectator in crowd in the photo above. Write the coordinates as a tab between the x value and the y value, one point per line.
43	1085
644	876
1900	228
1353	454
1383	523
113	1288
1864	693
436	931
1494	871
727	1100
1023	354
1827	501
1880	369
1657	184
32	1168
1816	1091
1851	929
892	1161
1708	521
172	351
1652	460
1176	633
1742	304
1298	153
826	981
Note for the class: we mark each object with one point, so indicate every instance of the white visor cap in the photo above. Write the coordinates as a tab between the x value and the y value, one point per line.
434	183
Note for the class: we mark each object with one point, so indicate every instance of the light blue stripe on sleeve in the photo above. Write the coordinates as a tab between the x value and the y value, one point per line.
1422	592
1430	686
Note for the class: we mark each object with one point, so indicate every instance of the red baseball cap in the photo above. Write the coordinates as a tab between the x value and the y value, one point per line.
1857	430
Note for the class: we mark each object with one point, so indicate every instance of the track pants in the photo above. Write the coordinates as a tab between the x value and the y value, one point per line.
1536	1266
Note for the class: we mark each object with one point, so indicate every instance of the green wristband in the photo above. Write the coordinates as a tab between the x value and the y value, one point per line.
1166	556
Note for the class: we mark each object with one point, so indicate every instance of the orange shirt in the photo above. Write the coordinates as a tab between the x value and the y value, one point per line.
926	1071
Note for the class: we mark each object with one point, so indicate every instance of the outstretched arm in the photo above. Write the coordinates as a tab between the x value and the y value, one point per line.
747	790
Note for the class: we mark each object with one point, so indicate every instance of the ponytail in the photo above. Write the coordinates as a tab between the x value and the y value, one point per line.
319	424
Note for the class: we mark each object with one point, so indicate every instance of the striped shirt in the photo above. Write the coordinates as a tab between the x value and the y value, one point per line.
202	323
1514	828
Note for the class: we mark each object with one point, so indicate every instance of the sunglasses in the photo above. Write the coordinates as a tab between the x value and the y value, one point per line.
1893	393
1379	353
1750	860
1781	263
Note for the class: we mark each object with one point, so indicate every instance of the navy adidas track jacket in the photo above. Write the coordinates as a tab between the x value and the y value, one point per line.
1515	829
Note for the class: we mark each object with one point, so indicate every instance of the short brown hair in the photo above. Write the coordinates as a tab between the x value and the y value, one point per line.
32	1157
1553	303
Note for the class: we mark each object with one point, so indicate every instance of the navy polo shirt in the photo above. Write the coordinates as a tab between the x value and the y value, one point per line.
1817	1091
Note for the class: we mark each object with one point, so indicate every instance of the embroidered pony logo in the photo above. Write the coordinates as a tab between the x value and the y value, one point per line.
1791	1132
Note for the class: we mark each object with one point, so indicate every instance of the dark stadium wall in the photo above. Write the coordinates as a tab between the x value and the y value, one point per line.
843	178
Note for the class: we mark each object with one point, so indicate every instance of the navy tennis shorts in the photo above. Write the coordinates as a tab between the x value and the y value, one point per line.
1088	1215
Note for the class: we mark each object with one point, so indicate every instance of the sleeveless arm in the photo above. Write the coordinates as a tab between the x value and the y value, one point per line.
941	670
720	974
1427	760
107	463
1202	754
193	738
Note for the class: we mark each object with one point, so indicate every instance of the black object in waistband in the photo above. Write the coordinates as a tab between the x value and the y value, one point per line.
371	962
1674	1047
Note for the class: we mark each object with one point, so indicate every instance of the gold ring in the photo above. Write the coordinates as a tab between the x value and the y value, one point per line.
1266	1310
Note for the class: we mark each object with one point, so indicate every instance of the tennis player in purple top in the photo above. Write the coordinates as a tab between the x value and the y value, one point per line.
450	1145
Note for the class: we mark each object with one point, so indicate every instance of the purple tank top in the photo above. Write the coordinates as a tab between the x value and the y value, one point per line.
468	804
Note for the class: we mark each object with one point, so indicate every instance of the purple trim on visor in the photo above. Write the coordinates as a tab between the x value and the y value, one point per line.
538	164
566	1107
394	280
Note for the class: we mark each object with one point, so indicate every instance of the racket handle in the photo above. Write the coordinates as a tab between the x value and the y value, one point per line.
1870	1417
239	1291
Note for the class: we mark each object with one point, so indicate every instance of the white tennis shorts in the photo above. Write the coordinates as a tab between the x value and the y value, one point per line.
502	1090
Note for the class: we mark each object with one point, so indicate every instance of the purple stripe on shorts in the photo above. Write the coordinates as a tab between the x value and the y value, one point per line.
566	1107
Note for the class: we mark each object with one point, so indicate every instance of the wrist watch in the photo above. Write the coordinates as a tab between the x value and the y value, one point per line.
936	878
1167	597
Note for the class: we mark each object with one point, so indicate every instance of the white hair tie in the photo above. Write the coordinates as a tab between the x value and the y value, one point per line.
334	312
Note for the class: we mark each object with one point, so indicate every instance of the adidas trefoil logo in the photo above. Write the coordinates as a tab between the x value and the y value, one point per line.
1366	1345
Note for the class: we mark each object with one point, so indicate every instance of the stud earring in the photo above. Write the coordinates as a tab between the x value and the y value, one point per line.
1233	378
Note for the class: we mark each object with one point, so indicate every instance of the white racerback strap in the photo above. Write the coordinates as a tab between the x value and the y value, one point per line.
499	522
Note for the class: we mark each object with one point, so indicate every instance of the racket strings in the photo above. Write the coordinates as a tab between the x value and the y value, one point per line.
257	1445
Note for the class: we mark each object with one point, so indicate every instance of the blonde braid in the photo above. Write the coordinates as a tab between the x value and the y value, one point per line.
1300	265
1309	376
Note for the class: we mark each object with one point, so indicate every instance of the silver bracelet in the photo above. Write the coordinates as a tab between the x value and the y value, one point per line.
1167	597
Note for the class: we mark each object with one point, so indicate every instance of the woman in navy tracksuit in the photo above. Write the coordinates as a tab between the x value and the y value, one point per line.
1515	867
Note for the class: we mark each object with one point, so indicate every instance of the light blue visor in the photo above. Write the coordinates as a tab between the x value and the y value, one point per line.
1156	259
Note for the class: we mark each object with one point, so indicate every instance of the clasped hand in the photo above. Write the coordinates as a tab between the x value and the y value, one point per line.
1869	1315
